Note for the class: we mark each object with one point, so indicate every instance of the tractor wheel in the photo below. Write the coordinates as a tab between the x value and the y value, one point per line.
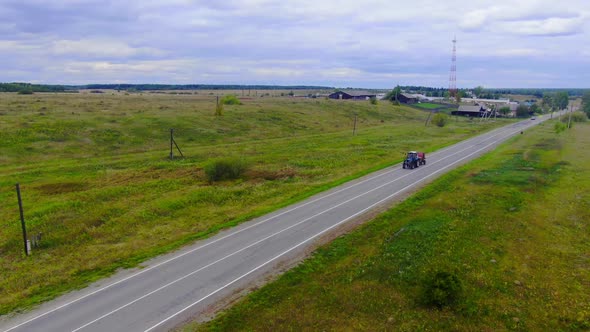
404	166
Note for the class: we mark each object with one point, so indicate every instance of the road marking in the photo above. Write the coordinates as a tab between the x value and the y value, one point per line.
259	223
318	234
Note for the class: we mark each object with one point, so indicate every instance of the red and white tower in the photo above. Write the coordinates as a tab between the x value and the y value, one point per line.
453	75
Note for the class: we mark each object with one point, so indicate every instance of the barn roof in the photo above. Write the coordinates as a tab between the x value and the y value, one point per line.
358	93
467	108
409	95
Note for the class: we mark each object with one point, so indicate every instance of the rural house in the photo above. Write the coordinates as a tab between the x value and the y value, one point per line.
407	98
465	110
351	94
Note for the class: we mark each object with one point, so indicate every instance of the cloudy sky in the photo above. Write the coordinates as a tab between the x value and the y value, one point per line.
345	43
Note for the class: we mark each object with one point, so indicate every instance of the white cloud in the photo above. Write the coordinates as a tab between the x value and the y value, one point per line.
100	48
475	20
506	52
12	46
547	27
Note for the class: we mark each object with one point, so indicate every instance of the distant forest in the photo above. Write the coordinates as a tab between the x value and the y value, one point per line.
18	87
428	91
493	93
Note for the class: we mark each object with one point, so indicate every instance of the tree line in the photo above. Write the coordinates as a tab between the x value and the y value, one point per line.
28	87
156	87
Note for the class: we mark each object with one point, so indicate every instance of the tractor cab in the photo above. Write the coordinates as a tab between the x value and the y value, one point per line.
414	159
412	155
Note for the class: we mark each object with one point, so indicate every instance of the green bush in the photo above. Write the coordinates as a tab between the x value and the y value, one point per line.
443	289
25	91
373	100
225	169
576	117
219	109
230	100
440	119
559	127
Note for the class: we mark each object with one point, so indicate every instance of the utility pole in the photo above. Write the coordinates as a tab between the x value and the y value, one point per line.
171	143
428	118
22	219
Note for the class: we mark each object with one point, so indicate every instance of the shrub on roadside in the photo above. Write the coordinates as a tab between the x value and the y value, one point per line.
443	289
440	119
579	117
559	127
230	100
225	169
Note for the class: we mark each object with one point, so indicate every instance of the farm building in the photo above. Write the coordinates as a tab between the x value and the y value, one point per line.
465	110
407	98
351	94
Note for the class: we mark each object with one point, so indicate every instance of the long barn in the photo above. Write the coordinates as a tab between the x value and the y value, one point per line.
355	95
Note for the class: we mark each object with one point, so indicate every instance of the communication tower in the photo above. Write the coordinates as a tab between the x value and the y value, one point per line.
453	75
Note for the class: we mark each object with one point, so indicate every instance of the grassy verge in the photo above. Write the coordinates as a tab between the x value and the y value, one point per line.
428	106
512	227
97	183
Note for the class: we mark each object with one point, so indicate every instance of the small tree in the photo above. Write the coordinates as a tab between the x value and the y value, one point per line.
586	103
373	100
394	94
440	119
477	91
504	110
561	100
547	102
458	96
522	111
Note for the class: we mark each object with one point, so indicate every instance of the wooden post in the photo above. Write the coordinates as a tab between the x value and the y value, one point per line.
171	143
22	219
354	126
428	119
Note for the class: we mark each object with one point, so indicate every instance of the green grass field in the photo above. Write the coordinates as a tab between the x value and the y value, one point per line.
428	106
512	227
97	182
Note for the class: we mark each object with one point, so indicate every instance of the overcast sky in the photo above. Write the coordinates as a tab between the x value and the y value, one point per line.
345	43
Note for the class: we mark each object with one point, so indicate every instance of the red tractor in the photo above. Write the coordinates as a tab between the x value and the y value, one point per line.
414	160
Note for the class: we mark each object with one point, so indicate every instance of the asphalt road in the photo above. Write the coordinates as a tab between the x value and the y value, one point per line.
191	281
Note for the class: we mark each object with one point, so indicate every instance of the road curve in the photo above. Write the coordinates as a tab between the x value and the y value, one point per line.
171	288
